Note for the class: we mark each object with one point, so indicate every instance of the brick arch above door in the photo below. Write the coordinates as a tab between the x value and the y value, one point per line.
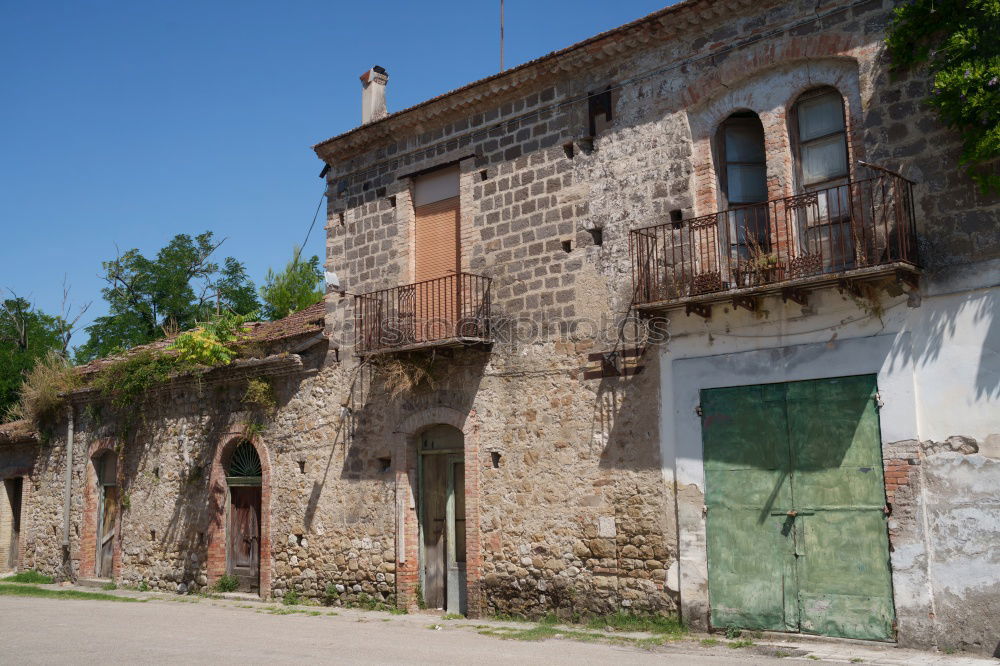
218	496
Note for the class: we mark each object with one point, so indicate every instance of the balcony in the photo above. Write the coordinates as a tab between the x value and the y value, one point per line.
448	311
844	236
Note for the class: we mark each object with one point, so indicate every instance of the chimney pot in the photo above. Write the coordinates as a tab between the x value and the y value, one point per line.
373	84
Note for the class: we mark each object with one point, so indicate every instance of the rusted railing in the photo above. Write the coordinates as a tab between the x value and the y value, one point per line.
454	307
860	224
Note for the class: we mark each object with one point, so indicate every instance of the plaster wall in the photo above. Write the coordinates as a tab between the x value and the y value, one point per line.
935	356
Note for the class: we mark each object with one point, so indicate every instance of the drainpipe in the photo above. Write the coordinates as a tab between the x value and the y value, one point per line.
69	479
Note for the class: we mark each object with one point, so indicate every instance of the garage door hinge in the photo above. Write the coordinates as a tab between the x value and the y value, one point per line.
697	410
877	398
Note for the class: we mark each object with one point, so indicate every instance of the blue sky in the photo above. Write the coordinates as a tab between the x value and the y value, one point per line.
125	123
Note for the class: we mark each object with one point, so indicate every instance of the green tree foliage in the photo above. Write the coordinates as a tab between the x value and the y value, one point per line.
960	42
293	289
26	335
174	290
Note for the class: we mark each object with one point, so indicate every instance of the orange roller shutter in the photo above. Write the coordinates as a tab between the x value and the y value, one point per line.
436	239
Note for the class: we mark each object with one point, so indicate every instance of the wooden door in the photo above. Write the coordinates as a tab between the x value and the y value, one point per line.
797	535
434	500
106	531
244	536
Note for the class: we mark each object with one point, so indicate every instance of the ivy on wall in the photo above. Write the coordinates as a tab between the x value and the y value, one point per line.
959	40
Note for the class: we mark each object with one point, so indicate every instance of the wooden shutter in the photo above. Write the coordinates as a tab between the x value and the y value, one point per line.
436	239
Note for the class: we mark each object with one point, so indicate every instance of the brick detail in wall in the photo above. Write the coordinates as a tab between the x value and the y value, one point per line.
897	475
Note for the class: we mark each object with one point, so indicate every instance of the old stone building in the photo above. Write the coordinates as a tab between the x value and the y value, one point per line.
695	316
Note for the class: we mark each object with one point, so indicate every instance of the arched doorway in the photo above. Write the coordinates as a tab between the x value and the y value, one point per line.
441	472
106	466
243	516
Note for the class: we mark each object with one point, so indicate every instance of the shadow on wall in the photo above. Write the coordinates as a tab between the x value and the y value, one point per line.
947	320
626	418
363	440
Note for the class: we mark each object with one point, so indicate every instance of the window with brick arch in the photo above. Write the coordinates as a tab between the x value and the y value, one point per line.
820	135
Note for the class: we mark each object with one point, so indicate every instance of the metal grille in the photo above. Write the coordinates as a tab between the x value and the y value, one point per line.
859	224
245	461
451	308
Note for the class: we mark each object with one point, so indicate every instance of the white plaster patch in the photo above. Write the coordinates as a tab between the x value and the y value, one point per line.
606	527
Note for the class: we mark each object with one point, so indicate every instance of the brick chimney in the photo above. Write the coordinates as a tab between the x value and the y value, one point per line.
373	94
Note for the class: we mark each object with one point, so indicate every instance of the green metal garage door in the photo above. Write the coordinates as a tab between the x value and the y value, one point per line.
795	496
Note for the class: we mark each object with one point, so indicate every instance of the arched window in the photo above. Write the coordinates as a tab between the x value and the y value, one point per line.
743	183
821	137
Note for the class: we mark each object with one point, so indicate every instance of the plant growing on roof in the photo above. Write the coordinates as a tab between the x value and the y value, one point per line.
957	39
213	342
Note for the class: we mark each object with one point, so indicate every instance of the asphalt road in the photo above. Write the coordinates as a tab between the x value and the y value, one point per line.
46	631
195	630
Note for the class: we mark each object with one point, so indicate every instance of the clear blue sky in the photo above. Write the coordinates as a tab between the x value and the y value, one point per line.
129	122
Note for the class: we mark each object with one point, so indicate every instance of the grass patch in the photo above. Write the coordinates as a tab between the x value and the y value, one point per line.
652	624
29	576
709	642
227	583
109	586
29	591
742	643
452	616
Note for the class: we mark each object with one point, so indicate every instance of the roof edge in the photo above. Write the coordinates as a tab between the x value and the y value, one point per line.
324	147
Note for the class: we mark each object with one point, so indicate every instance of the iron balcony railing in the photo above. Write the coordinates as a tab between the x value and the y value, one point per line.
451	308
859	224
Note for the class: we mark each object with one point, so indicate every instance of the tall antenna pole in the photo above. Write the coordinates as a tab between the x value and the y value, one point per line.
501	35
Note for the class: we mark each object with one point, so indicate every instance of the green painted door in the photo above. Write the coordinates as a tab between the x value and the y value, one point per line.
794	491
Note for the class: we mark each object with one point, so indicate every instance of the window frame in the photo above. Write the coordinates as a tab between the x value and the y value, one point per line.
797	144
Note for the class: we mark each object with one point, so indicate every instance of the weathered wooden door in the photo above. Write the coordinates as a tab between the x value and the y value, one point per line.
107	514
442	519
796	526
244	536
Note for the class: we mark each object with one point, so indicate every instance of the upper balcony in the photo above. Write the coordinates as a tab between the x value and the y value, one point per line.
860	230
446	311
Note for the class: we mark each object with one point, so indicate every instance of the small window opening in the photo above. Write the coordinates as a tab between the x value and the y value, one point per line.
298	539
366	187
568	149
597	235
156	472
340	217
385	464
567	246
599	111
495	458
483	175
380	192
201	538
677	218
392	201
302	467
152	535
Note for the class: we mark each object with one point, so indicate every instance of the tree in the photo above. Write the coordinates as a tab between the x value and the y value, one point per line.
293	289
26	335
171	292
957	40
